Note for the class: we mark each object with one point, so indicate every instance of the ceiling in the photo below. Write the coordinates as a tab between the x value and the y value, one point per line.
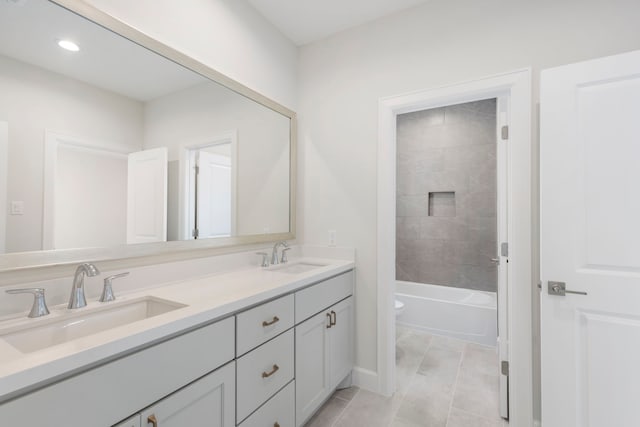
305	21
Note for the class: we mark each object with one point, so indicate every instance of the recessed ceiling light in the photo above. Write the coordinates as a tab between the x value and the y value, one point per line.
68	45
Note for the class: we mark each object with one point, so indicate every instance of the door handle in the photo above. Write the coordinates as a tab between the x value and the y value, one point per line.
153	420
333	318
560	289
330	323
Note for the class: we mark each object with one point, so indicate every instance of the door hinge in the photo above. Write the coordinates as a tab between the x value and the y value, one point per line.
504	367
505	132
195	233
504	249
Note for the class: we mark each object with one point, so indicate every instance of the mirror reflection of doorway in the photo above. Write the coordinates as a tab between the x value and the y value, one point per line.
208	188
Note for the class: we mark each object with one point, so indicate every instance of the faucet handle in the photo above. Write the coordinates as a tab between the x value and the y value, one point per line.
265	259
39	307
283	258
107	290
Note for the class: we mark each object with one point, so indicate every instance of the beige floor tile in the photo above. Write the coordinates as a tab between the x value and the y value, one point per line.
410	351
368	409
346	393
480	359
478	394
441	366
459	418
328	413
426	402
448	343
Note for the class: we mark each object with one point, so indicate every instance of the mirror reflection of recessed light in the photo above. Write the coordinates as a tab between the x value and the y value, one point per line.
68	45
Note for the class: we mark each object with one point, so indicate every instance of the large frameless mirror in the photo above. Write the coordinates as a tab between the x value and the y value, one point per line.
105	143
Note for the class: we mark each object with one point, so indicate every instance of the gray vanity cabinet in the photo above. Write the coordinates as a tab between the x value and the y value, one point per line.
208	401
324	342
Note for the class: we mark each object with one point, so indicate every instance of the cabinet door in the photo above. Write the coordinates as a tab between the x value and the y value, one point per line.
341	341
210	402
130	422
312	370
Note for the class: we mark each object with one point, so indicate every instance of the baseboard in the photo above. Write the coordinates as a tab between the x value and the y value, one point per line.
365	379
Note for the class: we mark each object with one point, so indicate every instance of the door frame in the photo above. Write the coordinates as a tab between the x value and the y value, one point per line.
4	181
52	141
186	181
516	86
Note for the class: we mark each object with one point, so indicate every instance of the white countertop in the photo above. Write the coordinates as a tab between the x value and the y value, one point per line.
207	298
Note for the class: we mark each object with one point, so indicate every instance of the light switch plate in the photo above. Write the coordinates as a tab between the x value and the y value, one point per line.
17	207
332	237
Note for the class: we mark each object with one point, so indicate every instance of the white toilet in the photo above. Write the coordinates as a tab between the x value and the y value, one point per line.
399	305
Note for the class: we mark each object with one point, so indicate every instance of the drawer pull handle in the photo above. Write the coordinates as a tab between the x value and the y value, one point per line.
153	420
333	318
330	324
273	371
275	319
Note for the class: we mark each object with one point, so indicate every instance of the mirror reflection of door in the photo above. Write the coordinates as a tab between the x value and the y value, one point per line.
213	192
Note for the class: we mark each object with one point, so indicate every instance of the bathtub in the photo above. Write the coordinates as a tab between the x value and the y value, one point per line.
454	312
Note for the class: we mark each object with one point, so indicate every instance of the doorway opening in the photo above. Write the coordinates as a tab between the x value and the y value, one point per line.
207	188
512	98
450	227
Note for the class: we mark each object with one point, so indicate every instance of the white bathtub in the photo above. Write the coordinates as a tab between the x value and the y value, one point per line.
441	310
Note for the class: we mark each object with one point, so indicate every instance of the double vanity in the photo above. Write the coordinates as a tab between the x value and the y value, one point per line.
252	347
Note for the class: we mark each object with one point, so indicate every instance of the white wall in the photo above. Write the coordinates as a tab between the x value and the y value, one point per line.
33	100
227	35
441	42
202	113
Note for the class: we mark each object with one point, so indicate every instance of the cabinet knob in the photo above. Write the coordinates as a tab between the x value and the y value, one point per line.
153	420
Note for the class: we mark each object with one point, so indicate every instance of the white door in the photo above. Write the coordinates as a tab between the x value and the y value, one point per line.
312	367
590	241
147	196
341	341
214	195
209	401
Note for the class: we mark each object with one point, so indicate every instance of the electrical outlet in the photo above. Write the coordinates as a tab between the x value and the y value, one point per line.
17	207
332	237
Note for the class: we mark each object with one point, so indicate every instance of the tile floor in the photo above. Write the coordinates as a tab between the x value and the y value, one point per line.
441	382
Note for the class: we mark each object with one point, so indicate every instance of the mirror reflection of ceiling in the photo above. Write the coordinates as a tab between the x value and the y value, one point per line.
32	28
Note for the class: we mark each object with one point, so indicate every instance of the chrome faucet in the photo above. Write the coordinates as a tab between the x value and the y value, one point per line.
274	254
77	299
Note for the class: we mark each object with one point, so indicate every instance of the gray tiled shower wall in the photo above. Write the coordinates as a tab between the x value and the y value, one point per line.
447	150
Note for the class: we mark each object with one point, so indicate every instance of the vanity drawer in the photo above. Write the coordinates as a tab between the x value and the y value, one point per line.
317	297
262	372
261	323
279	410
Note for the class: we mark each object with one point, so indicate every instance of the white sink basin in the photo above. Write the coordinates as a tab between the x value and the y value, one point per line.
48	333
297	268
